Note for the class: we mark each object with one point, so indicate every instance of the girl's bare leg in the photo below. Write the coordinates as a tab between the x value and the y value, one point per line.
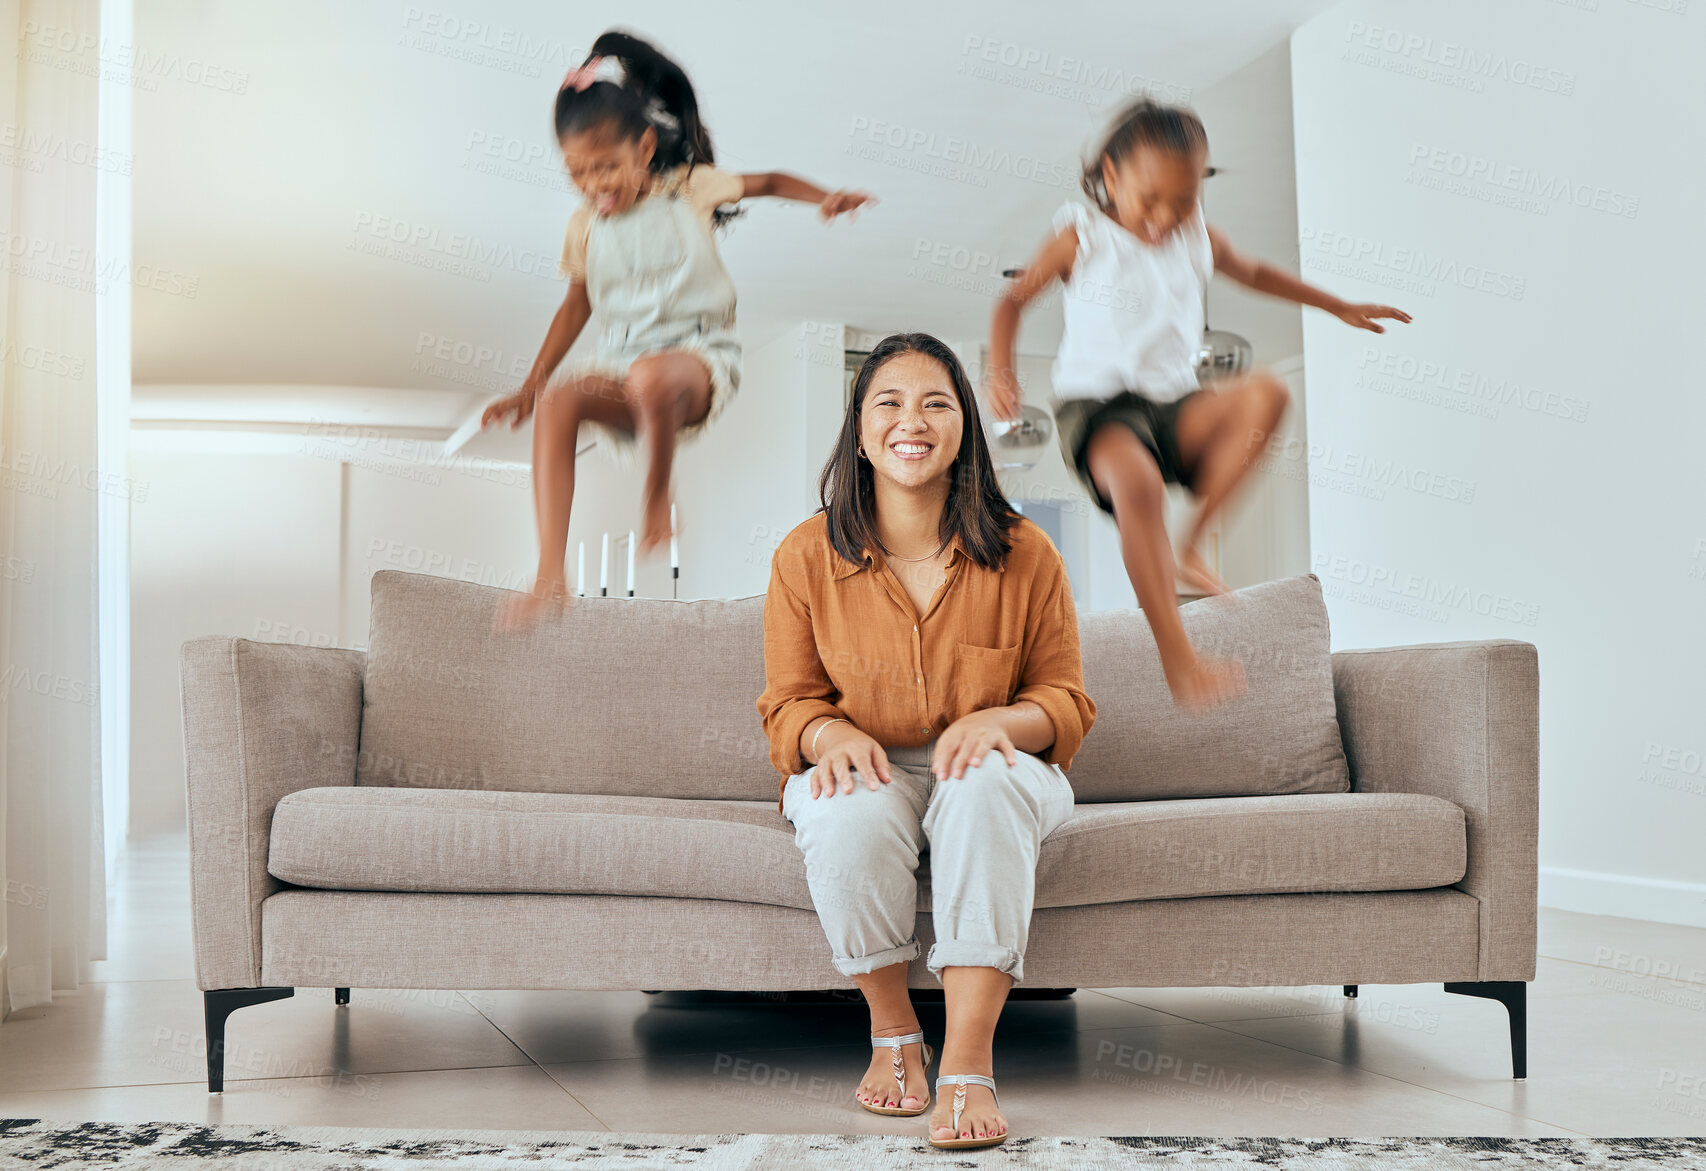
973	998
556	428
892	1016
1126	474
666	392
1221	435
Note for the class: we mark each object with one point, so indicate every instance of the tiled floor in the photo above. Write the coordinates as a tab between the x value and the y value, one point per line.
1613	1049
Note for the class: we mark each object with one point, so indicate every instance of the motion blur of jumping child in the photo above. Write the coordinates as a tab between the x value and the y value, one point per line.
1129	412
640	251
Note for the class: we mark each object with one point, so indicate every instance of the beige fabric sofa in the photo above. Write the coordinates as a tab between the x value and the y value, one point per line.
590	806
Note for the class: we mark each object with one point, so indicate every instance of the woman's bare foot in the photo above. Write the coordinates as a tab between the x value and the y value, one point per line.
981	1118
878	1088
519	612
1193	570
655	527
1204	683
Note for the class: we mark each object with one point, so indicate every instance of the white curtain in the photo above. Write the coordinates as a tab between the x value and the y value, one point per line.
55	487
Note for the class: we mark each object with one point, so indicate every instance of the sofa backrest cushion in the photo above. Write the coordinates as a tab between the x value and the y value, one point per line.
646	697
629	696
1282	736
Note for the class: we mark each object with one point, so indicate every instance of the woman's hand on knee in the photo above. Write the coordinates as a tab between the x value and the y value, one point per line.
964	743
848	756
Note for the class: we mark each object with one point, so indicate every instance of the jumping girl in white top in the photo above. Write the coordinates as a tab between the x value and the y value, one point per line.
640	251
1127	406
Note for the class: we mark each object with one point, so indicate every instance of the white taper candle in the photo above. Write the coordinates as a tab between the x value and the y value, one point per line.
630	563
604	566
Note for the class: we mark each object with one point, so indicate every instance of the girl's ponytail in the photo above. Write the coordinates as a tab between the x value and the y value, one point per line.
663	87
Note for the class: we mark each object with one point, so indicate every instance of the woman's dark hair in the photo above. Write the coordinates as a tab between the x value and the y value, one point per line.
1145	122
654	94
976	511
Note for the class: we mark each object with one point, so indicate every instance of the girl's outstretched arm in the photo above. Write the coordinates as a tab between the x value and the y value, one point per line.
1276	282
571	317
1053	263
784	186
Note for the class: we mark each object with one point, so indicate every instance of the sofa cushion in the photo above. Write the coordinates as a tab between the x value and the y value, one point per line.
628	697
462	841
1281	736
1118	852
646	697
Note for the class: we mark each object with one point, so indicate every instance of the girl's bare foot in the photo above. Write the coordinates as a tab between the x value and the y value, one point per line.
1193	570
519	612
655	530
1205	683
981	1118
878	1088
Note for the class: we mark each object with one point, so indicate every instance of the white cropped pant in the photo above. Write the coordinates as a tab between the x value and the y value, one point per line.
982	832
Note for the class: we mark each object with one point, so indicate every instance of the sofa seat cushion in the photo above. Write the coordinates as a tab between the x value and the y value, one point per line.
473	841
1124	851
491	841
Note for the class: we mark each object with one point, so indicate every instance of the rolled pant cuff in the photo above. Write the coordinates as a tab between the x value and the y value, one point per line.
864	965
964	954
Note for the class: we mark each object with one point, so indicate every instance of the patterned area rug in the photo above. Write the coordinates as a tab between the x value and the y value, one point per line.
168	1146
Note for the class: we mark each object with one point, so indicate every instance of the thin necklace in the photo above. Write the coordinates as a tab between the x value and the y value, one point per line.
926	557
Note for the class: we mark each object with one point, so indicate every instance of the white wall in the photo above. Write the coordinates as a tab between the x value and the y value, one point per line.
243	545
473	525
1253	199
750	478
1253	196
1525	179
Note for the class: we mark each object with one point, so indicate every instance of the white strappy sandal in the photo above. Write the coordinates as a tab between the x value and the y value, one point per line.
961	1081
897	1043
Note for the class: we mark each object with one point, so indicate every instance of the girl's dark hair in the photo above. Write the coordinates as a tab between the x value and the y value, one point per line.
654	94
976	511
1145	122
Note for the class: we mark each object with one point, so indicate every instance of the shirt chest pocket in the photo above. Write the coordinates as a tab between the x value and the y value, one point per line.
984	676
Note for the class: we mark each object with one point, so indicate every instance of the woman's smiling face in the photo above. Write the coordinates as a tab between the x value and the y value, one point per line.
911	422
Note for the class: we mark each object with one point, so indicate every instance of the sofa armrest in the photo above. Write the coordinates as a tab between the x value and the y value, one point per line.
1459	721
261	720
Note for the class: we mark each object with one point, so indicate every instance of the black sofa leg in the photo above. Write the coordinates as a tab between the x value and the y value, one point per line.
340	996
219	1004
1513	994
1351	991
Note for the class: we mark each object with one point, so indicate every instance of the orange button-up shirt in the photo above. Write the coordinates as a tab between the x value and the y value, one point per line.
846	640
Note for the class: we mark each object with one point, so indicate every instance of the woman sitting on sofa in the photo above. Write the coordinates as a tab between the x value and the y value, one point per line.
922	688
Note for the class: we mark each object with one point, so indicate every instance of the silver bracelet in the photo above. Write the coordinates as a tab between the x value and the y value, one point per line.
821	727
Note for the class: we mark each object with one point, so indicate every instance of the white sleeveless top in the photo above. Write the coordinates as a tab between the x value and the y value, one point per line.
1134	312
